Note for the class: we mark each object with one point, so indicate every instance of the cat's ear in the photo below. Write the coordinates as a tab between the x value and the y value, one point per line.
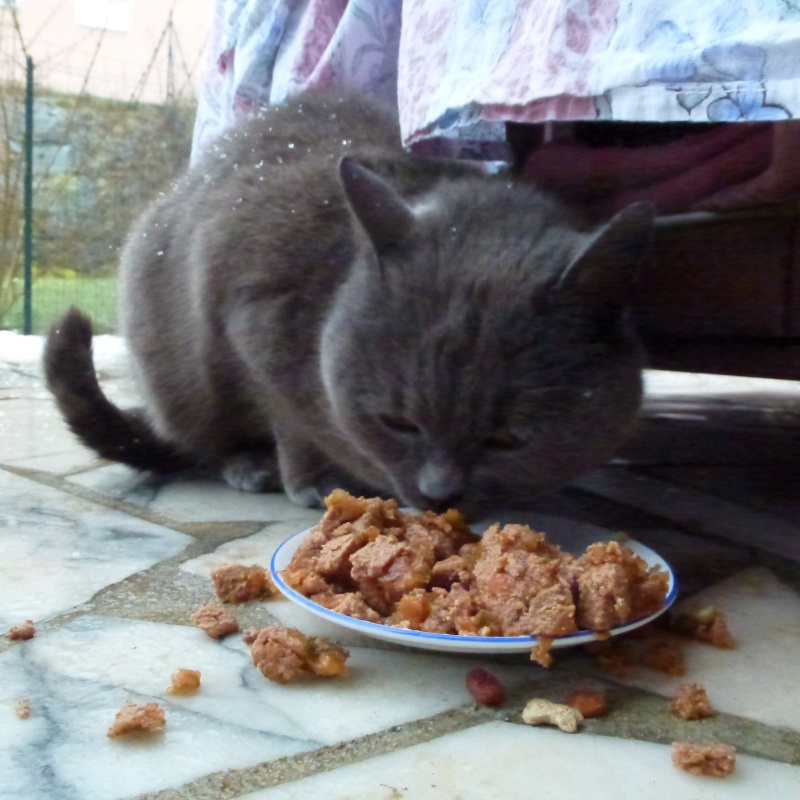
602	275
385	216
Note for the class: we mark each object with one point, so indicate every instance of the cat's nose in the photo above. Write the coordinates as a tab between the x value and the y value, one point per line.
442	504
441	483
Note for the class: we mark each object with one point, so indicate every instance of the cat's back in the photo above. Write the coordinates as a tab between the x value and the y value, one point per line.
316	128
269	185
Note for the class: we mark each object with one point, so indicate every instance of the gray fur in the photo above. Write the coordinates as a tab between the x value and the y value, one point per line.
381	323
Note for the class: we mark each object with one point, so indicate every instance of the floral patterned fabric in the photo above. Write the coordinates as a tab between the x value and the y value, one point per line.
459	69
262	51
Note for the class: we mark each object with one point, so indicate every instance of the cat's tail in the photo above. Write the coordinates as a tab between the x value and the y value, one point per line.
113	433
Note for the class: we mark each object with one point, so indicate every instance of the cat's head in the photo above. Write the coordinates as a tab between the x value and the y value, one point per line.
479	354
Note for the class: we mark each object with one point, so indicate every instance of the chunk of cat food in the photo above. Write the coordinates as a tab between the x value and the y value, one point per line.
518	579
714	760
22	632
545	712
352	604
22	709
249	635
615	658
236	583
429	572
215	620
706	625
691	702
590	702
615	586
665	656
385	569
131	718
285	654
184	681
540	652
455	612
485	687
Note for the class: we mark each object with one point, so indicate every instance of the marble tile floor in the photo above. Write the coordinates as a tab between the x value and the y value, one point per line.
110	566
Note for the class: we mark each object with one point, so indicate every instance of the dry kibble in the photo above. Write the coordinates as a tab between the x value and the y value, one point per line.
184	681
485	687
714	760
148	718
545	712
25	631
691	702
590	702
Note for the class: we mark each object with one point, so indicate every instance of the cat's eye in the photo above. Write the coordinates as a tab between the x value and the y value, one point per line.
398	424
503	440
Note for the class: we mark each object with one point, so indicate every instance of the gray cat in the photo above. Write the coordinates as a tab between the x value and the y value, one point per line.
311	307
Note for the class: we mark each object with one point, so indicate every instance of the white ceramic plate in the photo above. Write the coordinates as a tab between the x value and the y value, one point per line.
471	644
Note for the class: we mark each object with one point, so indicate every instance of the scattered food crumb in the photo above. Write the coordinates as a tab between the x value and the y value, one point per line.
184	681
25	631
545	712
590	702
236	583
615	658
691	702
715	760
541	652
485	687
131	718
665	656
249	635
283	654
23	709
707	625
215	620
660	648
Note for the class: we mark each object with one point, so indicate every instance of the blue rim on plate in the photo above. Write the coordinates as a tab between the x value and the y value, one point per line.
447	642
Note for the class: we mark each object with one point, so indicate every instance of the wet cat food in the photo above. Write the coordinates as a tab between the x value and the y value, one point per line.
184	681
25	631
284	654
131	718
215	620
707	625
691	702
714	760
429	572
236	583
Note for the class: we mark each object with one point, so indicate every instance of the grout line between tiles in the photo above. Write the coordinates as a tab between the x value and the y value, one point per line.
190	528
660	727
57	482
237	782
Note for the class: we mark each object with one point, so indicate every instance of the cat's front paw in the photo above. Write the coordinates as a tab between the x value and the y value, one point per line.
252	471
313	495
305	496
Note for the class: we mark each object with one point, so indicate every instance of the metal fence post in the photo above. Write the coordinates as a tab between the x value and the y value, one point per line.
28	229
